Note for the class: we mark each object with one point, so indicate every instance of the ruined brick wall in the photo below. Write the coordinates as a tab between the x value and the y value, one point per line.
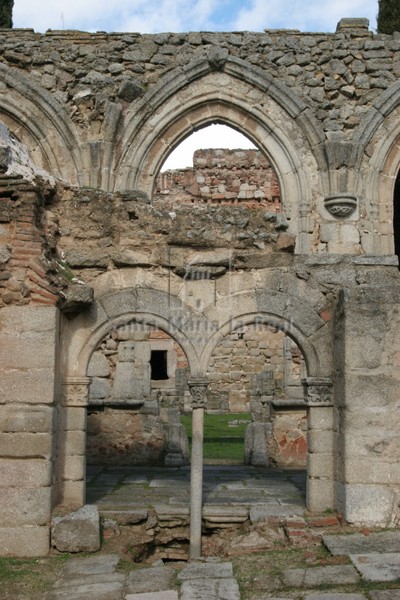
220	176
26	241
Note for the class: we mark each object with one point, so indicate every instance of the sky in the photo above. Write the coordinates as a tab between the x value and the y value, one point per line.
154	16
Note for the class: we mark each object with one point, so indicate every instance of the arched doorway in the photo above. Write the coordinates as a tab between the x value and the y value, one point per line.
138	381
256	375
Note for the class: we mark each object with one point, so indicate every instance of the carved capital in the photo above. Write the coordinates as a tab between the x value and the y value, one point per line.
75	391
318	391
198	391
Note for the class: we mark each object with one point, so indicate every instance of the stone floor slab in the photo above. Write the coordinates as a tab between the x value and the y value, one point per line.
358	543
222	485
93	565
377	566
199	570
154	579
76	581
99	591
331	575
262	512
385	594
210	589
165	595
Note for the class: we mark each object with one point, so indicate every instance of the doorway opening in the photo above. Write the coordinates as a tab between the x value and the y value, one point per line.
138	386
255	386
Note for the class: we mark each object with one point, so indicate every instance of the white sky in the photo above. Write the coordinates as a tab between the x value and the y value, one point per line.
150	16
153	16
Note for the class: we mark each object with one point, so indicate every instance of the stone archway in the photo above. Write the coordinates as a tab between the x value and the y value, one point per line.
238	95
258	370
42	124
198	332
318	392
396	216
376	156
82	336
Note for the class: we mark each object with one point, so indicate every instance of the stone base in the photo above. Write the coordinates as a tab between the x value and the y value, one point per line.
24	542
365	504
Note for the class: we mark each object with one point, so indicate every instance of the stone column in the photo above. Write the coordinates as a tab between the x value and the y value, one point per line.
71	449
320	436
198	390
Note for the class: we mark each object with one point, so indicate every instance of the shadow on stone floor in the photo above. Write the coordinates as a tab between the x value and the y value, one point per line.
232	485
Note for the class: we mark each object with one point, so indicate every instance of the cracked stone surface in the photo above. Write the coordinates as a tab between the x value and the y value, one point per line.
332	575
358	543
377	566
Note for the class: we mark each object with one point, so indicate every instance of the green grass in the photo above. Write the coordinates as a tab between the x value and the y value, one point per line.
28	578
221	442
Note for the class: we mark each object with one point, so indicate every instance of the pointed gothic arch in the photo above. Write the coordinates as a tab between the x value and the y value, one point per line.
42	124
376	154
241	96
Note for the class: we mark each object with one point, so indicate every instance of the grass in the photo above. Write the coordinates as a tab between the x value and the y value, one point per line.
28	578
221	442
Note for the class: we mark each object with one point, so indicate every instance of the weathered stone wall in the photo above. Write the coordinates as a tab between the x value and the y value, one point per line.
28	384
100	230
222	177
340	73
367	401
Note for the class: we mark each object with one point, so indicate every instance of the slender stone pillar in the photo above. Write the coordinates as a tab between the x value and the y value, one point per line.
71	450
320	475
198	390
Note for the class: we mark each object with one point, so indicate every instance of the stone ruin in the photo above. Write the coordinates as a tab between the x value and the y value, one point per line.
91	244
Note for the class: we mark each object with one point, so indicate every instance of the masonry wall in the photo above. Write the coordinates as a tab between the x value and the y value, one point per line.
222	177
341	73
28	385
367	455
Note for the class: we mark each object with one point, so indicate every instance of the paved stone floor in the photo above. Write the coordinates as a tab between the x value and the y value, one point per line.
275	491
373	563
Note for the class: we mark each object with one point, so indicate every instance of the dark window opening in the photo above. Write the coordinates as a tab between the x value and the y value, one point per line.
159	365
396	216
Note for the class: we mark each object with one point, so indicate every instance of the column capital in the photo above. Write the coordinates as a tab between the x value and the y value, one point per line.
318	391
198	390
75	391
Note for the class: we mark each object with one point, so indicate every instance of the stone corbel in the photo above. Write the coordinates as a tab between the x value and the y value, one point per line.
341	205
318	391
198	391
75	391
